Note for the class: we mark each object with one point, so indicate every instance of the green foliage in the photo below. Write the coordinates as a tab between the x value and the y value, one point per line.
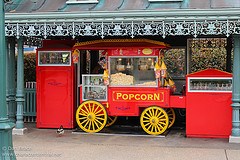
30	67
208	58
175	61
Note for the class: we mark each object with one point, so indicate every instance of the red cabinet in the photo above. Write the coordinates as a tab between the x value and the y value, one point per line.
55	89
208	104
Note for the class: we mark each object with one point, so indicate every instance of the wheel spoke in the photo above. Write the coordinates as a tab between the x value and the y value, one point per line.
158	114
148	115
147	118
100	118
162	120
152	128
100	110
86	108
81	114
147	124
83	122
161	116
160	126
93	106
89	126
162	123
86	123
150	112
99	121
83	118
93	125
97	115
82	110
168	110
96	124
149	127
95	110
110	119
146	121
157	128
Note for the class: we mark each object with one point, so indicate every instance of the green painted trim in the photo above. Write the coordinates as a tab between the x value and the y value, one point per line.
11	81
236	88
3	104
5	126
20	85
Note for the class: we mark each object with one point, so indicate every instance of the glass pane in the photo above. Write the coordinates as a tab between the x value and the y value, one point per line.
210	85
93	87
132	71
54	58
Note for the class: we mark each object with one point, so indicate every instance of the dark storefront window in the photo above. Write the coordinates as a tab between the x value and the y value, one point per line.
175	62
207	53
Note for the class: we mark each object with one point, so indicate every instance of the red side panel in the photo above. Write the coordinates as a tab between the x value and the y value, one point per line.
126	101
55	97
177	101
209	115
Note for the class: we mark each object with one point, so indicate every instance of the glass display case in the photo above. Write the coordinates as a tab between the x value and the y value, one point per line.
93	87
210	84
132	71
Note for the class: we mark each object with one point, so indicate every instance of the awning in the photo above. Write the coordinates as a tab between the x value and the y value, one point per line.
120	43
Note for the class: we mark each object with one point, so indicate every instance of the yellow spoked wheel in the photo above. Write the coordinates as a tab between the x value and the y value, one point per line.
154	120
171	116
91	116
111	120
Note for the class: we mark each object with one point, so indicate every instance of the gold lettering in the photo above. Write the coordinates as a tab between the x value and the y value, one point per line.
131	96
125	96
119	95
156	96
143	97
150	97
137	97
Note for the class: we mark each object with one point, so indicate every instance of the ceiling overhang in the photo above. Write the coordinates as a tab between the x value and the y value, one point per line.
125	23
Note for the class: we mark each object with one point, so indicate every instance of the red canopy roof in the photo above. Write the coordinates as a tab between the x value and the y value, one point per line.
120	43
210	72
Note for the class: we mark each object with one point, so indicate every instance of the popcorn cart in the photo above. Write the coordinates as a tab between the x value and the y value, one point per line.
134	83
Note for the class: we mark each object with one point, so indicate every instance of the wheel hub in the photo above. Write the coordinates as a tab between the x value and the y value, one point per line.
154	120
91	116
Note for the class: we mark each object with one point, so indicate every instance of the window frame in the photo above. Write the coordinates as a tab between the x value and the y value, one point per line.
81	1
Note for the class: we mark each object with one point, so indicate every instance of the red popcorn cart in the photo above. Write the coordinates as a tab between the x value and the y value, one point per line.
134	83
55	86
208	104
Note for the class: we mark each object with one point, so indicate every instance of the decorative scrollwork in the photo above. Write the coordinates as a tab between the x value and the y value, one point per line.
132	29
